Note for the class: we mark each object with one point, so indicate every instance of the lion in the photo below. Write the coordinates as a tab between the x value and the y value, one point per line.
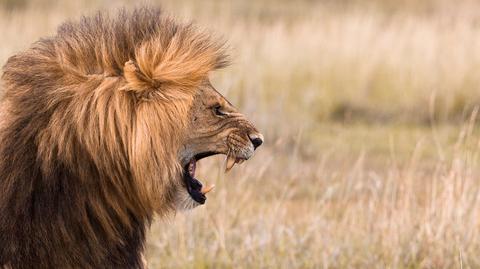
101	128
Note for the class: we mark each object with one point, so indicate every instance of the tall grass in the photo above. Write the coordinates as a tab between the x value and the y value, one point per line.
370	114
287	211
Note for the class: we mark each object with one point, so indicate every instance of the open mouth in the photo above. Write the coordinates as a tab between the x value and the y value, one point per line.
194	187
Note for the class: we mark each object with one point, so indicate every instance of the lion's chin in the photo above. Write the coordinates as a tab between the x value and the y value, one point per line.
183	201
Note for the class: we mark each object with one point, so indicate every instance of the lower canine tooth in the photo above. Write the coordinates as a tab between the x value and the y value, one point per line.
230	163
206	190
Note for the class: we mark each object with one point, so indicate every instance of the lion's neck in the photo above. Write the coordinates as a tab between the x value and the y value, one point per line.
55	219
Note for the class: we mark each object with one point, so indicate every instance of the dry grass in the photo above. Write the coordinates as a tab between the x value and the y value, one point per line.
370	113
329	210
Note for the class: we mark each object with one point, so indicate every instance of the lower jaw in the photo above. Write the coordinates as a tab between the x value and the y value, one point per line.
194	188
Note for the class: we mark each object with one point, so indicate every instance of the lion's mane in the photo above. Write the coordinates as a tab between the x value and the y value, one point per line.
90	124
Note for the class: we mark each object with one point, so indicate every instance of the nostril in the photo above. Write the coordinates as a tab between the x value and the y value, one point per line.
257	140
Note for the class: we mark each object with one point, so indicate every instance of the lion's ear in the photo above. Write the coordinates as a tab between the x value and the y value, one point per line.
136	81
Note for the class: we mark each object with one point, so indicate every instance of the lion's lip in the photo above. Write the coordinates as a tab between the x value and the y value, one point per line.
195	188
205	154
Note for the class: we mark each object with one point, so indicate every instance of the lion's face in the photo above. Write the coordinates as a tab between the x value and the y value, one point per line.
214	127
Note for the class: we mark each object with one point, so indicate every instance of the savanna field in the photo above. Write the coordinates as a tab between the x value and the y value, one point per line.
370	111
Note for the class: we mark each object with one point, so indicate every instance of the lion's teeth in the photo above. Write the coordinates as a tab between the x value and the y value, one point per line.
240	161
230	163
206	190
191	167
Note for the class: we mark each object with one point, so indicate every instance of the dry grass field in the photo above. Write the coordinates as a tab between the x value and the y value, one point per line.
370	112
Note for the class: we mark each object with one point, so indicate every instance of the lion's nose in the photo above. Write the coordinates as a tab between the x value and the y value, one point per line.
257	139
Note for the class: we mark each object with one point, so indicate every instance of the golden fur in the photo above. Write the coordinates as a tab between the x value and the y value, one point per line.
91	124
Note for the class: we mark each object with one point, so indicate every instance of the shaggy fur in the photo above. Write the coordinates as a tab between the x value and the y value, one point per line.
91	122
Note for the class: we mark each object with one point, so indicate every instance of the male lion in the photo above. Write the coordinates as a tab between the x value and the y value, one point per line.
101	127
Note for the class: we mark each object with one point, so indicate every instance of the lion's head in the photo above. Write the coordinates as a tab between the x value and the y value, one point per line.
102	125
214	127
182	118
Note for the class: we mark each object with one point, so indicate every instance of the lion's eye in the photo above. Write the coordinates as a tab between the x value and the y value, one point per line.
218	111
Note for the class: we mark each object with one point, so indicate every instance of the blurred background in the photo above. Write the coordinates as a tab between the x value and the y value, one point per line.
369	109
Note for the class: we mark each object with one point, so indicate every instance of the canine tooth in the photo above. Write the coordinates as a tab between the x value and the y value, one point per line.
240	161
230	163
206	190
